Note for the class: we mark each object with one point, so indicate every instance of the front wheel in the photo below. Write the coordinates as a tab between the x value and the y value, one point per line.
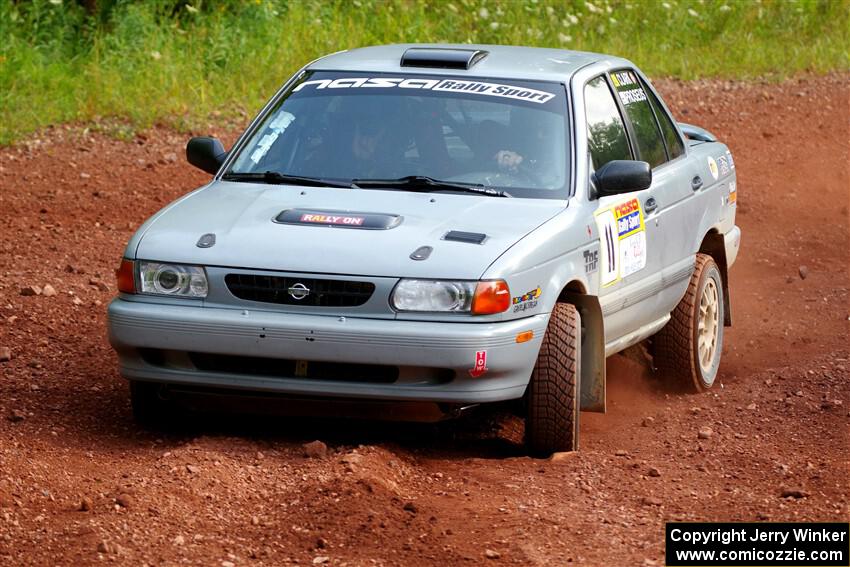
551	423
687	350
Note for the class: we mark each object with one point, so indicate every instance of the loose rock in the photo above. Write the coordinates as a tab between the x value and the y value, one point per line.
48	291
561	456
621	453
5	354
654	472
351	459
794	493
320	560
124	500
491	554
193	469
315	450
804	272
410	507
99	284
17	415
104	547
85	504
705	433
31	290
651	501
647	421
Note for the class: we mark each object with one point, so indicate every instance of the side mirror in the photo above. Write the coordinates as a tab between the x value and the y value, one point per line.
206	153
622	176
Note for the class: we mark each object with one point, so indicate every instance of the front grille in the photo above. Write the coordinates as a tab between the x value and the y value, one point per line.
322	293
337	371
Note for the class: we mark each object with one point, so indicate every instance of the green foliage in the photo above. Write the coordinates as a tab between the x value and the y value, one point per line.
178	61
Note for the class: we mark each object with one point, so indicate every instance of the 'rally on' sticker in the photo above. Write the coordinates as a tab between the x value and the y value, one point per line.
332	219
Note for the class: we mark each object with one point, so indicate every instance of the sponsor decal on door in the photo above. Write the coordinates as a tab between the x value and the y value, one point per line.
622	240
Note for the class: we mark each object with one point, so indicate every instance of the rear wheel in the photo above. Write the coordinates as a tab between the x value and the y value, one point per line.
687	350
551	423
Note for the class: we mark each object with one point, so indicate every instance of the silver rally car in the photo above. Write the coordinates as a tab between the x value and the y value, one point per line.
438	226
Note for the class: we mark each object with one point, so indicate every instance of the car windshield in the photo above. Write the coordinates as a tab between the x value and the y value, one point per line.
356	128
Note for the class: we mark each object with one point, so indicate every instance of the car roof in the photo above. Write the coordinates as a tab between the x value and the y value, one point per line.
502	61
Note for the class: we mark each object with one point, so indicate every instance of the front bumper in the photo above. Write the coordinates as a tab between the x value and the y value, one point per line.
416	347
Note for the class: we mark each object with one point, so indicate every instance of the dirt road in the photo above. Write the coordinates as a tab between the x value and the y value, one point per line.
80	483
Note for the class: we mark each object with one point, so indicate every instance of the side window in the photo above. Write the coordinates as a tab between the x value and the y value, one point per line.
606	134
634	99
671	137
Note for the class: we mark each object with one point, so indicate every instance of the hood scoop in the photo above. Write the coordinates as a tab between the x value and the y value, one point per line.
338	219
468	237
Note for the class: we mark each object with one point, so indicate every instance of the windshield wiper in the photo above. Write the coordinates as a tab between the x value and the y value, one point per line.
275	178
421	183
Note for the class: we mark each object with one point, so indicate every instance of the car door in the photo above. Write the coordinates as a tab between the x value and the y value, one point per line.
626	244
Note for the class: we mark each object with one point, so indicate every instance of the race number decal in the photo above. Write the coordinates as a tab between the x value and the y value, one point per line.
605	223
622	235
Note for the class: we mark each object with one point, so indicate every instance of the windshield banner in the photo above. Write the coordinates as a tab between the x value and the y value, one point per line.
450	85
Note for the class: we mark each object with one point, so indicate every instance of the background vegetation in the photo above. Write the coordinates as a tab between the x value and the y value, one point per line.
177	62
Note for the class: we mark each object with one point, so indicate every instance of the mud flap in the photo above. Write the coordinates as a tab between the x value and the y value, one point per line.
592	370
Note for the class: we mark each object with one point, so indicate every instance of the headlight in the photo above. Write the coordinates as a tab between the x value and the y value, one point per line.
172	279
478	298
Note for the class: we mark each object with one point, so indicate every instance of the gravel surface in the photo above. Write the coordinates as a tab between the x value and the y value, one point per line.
81	484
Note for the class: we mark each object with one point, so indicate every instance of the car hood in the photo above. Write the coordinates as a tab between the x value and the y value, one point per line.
242	218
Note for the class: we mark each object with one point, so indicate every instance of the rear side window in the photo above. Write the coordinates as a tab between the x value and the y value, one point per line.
674	143
650	145
606	134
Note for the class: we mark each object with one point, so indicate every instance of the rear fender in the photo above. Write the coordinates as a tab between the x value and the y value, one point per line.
715	246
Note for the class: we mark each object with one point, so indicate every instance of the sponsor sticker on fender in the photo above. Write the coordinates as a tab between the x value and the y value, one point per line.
712	167
480	366
723	165
622	238
527	300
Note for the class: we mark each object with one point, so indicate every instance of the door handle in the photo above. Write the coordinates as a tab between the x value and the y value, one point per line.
696	183
650	205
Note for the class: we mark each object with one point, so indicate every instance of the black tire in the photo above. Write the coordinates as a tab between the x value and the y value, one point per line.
149	409
551	424
676	348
